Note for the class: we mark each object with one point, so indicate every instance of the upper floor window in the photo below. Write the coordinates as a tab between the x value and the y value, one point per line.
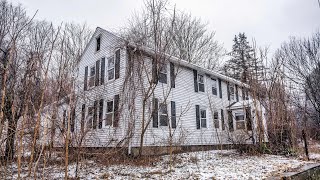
203	118
231	91
240	120
111	69
163	114
92	76
214	87
201	82
163	73
98	43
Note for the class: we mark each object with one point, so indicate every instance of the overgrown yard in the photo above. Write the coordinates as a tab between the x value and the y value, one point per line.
225	164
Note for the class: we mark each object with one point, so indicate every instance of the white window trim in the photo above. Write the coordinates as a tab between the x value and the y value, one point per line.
214	82
198	81
244	119
232	97
203	109
94	79
88	117
108	68
160	113
214	119
107	113
165	73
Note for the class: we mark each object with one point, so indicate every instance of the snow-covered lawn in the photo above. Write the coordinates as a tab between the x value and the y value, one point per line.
226	164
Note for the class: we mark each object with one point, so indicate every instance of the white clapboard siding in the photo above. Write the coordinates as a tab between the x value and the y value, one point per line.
184	96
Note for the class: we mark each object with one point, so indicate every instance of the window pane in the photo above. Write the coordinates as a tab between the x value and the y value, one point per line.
92	71
163	78
214	91
109	106
201	87
98	43
216	115
110	74
163	120
216	123
239	117
203	122
163	69
91	81
240	125
203	113
163	108
109	119
200	78
110	62
89	122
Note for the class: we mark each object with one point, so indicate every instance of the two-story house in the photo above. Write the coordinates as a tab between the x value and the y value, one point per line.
125	99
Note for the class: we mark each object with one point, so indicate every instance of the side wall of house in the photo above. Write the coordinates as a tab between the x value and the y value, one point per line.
186	99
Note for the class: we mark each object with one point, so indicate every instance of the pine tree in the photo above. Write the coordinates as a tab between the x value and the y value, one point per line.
243	64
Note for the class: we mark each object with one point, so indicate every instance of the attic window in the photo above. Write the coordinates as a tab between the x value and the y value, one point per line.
98	43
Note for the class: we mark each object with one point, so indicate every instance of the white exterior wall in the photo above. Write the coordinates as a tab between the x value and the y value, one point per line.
183	95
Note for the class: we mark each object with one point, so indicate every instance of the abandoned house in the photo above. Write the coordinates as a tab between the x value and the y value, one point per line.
127	95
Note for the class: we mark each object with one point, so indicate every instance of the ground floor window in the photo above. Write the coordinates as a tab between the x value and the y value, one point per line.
240	122
109	114
163	114
203	118
216	119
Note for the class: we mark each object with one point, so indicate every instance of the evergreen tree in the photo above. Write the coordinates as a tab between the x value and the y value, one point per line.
243	64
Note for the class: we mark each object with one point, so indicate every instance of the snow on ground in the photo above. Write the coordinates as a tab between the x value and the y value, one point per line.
226	164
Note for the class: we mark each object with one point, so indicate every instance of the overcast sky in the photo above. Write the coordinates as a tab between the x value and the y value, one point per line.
270	22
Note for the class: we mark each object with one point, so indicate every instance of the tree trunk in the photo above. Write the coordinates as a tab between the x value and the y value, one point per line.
11	133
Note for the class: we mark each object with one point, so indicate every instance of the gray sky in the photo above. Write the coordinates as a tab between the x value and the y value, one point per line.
270	22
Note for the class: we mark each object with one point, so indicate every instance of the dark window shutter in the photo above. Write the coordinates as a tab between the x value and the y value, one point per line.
154	71
228	91
220	88
100	113
155	113
172	75
95	114
83	116
198	116
116	111
97	73
222	119
248	118
237	94
230	121
85	78
173	115
117	64
73	117
103	69
195	79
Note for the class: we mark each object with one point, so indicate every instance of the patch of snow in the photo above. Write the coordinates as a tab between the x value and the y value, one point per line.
225	164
